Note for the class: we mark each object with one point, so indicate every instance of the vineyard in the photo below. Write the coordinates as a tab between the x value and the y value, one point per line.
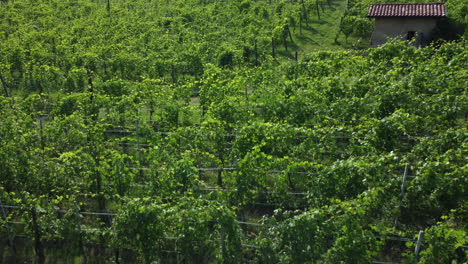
206	132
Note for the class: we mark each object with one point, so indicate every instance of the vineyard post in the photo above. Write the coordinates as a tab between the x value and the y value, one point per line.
256	53
223	244
402	193
108	7
151	112
304	9
300	25
246	92
5	87
80	240
117	255
337	35
38	248
318	9
41	134
138	146
116	249
173	73
273	47
10	240
418	246
290	182
220	176
90	84
284	35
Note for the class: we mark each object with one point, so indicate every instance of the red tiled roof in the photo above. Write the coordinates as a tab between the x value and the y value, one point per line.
408	10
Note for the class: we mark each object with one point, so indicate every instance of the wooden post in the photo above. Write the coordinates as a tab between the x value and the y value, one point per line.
138	147
38	248
289	33
256	53
272	47
100	196
80	239
173	74
137	137
223	244
90	84
304	11
220	177
285	43
318	9
117	255
41	125
300	25
290	182
5	87
108	7
151	112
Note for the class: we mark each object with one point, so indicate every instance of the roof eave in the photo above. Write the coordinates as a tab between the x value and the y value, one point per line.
407	16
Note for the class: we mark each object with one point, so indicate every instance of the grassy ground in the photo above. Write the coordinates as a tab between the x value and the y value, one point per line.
322	33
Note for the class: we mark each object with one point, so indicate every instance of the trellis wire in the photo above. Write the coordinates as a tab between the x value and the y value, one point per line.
418	241
93	213
261	225
320	136
392	238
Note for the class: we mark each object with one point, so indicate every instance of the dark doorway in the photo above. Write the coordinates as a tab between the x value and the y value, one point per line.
410	35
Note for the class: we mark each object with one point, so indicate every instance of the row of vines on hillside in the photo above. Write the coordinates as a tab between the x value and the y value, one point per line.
313	153
62	46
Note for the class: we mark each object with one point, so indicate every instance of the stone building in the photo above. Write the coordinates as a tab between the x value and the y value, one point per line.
412	22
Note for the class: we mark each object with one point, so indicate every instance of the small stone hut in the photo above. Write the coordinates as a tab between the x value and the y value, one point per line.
413	21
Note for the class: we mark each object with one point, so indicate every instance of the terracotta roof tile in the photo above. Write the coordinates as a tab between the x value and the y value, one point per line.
408	10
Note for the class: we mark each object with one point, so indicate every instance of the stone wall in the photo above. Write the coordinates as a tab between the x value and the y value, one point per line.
399	27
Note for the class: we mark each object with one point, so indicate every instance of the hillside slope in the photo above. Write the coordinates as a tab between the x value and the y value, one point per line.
46	44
